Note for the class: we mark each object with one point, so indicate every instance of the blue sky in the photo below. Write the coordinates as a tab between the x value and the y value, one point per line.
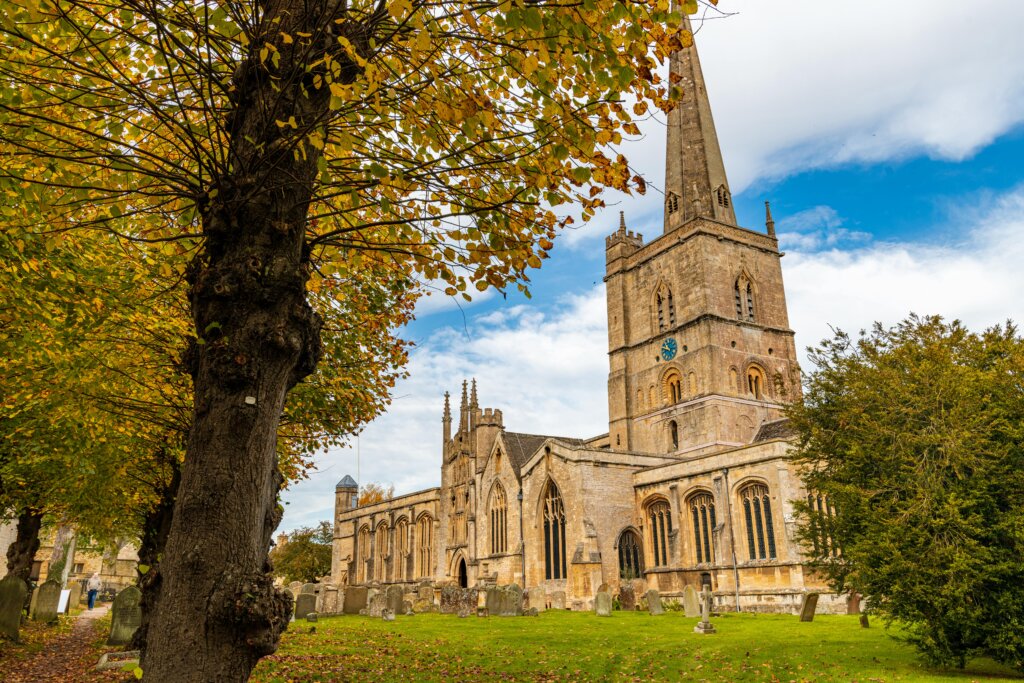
890	141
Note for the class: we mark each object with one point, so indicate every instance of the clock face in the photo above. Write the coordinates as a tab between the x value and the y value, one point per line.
669	348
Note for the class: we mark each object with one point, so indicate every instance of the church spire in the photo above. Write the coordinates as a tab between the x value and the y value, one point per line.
695	182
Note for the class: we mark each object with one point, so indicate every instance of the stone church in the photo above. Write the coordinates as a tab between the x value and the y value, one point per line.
690	486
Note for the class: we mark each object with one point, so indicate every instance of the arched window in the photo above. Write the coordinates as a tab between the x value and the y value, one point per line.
401	549
631	557
822	522
666	308
364	554
673	435
744	295
755	382
702	511
499	517
673	387
380	542
723	196
757	511
424	542
554	533
661	528
639	399
672	202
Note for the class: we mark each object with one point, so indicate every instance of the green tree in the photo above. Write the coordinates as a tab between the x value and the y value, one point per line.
913	439
305	555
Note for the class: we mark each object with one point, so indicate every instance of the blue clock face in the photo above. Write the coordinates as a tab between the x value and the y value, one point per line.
669	348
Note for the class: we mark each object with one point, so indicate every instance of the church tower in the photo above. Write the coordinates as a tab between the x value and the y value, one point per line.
700	349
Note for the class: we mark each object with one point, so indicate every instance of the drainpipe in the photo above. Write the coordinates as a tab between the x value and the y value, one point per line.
732	536
522	538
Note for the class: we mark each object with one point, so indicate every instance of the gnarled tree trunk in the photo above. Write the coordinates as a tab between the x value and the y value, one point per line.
22	552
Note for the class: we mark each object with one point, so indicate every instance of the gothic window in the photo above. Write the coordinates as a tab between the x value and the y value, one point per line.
380	542
424	545
702	511
743	292
672	203
673	434
673	387
499	520
821	522
757	512
401	549
661	528
364	554
755	382
554	533
631	562
666	308
723	196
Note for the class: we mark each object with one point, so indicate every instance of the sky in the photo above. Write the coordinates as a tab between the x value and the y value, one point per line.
889	138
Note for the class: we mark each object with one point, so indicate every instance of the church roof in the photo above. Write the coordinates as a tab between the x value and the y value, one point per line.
521	446
776	429
347	483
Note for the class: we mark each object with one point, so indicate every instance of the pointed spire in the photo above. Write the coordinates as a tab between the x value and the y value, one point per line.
446	421
447	407
769	222
622	221
695	181
473	404
464	409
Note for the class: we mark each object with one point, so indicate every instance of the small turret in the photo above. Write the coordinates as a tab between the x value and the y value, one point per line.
346	494
446	420
769	222
622	242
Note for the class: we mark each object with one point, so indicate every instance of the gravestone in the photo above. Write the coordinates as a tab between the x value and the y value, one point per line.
387	614
538	598
603	604
853	603
558	600
627	597
312	617
76	594
395	599
127	616
46	598
355	599
12	598
808	603
295	587
377	603
425	591
864	620
691	604
505	601
455	600
654	603
308	588
304	604
421	606
705	612
328	602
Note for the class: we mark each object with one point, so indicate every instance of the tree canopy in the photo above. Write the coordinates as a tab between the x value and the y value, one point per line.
305	555
912	443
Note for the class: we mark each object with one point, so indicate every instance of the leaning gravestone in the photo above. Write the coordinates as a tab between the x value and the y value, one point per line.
394	599
47	596
558	600
537	597
12	598
355	599
603	604
304	604
654	603
808	603
127	616
627	597
691	603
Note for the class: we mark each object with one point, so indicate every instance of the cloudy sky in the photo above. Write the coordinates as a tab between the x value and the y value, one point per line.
889	138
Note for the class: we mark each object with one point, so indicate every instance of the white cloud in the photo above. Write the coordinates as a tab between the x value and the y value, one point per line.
816	228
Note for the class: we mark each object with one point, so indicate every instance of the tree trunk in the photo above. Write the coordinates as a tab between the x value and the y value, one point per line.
22	552
62	544
218	612
156	528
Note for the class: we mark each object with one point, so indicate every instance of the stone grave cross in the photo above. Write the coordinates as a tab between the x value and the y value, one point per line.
705	612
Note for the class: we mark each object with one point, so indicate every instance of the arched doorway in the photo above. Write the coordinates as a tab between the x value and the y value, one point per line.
463	576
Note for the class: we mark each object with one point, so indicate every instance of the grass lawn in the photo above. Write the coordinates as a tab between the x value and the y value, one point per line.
575	646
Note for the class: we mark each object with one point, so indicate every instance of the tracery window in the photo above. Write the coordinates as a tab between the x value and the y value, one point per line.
499	520
631	558
364	553
755	382
661	528
424	542
666	308
757	511
702	511
554	534
743	291
822	521
723	196
401	549
381	544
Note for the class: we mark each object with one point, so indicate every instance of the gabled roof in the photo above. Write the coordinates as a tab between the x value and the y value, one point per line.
521	446
776	429
347	483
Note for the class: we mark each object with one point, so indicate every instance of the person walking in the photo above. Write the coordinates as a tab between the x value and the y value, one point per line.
93	586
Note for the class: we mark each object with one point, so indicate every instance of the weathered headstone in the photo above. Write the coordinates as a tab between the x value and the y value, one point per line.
355	599
376	604
304	604
691	604
603	604
558	600
395	599
808	603
312	617
505	601
12	598
46	598
853	603
295	587
455	600
627	597
76	594
603	588
864	620
654	603
421	606
532	612
705	612
425	591
126	616
537	597
308	588
387	614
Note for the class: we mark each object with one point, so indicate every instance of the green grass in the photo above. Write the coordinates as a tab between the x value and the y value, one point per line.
573	646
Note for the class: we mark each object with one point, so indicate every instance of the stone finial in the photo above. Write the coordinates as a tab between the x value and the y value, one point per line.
769	222
622	221
473	403
447	407
465	400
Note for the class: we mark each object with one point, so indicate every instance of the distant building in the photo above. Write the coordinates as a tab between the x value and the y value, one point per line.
691	484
